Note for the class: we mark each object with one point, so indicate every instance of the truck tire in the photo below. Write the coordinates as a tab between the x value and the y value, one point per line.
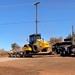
68	52
36	48
21	54
62	53
56	51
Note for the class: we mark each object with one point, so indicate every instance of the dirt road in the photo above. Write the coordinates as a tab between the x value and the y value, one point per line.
7	59
40	65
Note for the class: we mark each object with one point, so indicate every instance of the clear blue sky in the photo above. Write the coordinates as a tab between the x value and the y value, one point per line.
17	20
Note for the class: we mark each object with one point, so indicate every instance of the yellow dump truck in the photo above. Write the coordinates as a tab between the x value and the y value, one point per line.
36	46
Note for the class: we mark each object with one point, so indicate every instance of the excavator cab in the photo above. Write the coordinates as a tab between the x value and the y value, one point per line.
33	38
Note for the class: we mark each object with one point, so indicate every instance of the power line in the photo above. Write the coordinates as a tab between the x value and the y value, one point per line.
13	23
59	4
51	4
17	5
57	20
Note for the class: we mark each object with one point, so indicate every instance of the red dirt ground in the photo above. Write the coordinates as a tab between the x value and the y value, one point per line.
39	65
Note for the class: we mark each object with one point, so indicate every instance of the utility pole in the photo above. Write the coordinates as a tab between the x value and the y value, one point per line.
36	4
72	30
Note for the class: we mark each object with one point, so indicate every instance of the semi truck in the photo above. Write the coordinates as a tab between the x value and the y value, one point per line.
67	47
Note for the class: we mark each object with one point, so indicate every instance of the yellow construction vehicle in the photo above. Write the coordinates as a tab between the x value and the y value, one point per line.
36	45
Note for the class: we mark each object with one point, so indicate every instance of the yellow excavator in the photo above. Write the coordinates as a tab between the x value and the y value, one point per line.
36	46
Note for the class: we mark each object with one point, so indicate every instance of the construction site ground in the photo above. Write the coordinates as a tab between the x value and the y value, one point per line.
38	65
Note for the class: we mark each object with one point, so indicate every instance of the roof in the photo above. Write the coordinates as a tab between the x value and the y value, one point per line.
34	35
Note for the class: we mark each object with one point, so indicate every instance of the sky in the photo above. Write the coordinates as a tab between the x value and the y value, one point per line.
17	20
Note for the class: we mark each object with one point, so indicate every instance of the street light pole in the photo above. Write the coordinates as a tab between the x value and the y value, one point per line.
36	4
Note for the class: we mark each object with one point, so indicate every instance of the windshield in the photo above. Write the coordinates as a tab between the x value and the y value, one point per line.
38	37
33	38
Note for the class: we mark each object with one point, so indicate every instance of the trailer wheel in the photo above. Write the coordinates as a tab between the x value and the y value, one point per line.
61	53
27	54
11	54
21	54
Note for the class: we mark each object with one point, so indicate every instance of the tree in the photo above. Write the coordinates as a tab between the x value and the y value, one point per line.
69	36
55	40
15	46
